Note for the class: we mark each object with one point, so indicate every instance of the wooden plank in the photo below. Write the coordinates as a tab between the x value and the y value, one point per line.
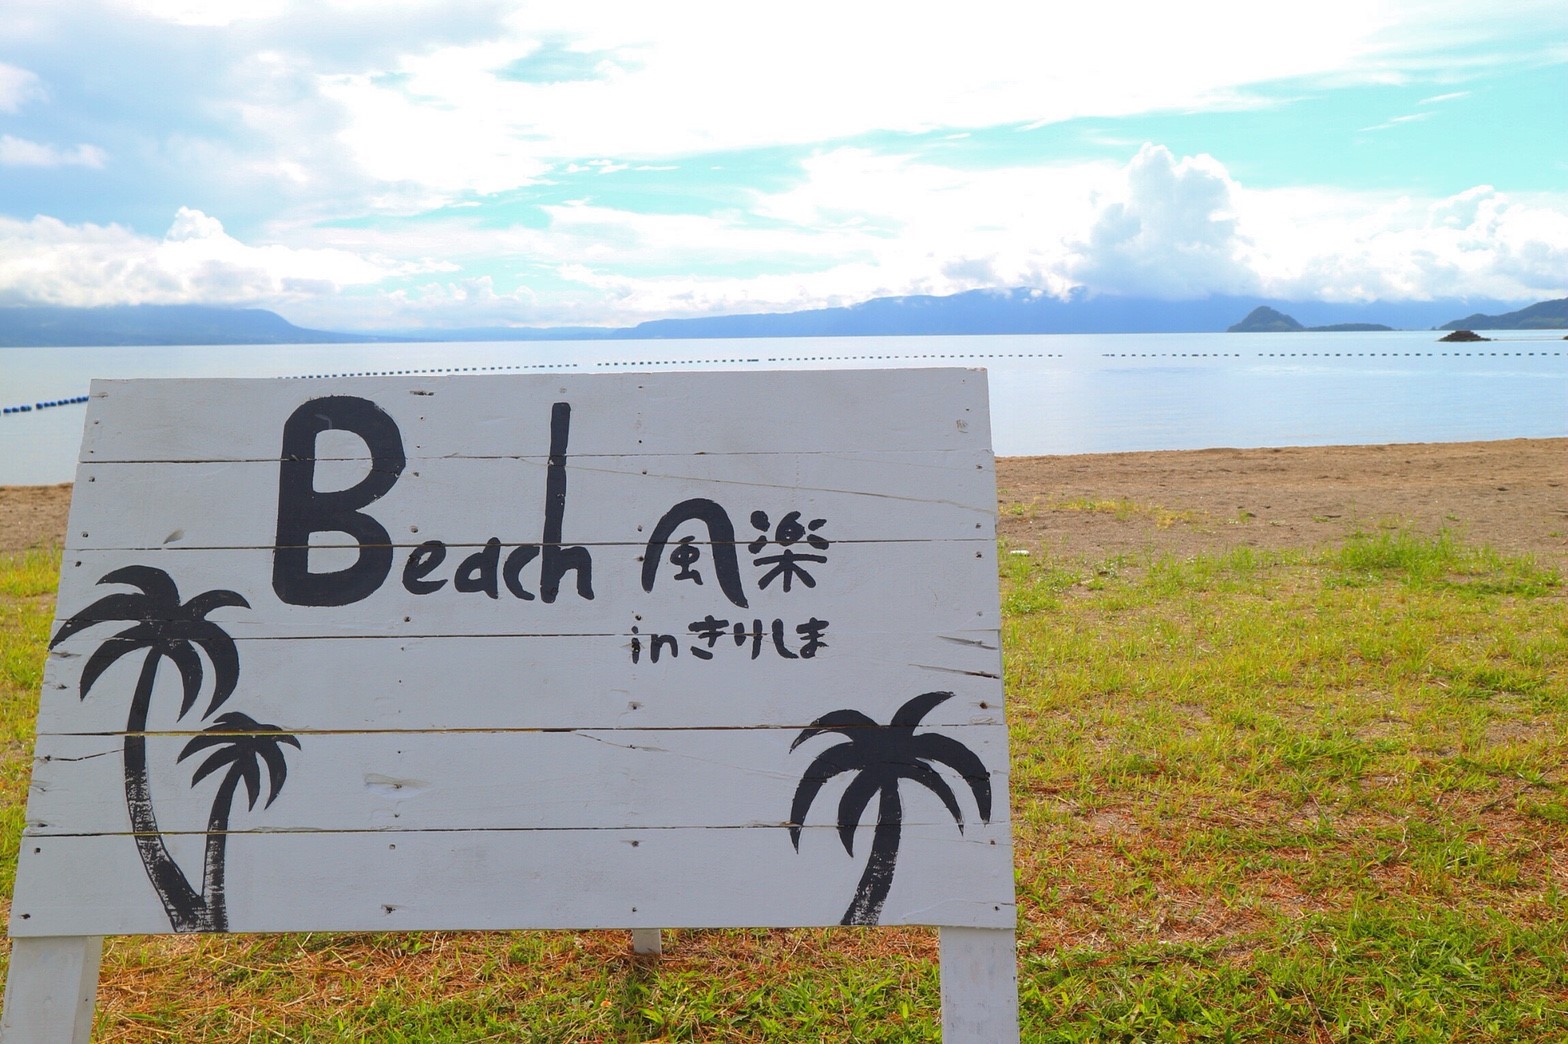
498	780
661	413
902	586
465	501
636	878
50	989
549	681
979	985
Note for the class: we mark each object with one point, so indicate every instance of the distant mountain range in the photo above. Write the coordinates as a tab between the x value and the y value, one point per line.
47	326
975	312
1547	315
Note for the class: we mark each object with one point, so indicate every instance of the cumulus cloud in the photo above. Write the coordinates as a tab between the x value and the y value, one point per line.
350	132
861	224
1168	228
858	225
45	261
1158	226
1341	246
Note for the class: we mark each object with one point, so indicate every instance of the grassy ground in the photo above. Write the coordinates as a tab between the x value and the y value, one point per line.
1302	796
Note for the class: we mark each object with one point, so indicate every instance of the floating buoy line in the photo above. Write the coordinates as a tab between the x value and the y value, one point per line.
77	400
47	404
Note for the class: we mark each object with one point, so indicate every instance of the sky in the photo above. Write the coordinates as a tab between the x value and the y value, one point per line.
396	164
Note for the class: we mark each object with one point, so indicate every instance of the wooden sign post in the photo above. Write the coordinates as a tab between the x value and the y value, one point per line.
621	651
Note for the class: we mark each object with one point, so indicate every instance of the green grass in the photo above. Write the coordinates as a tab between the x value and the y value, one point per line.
1316	795
1124	510
27	584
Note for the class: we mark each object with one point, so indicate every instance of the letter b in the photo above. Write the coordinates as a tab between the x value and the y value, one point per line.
304	510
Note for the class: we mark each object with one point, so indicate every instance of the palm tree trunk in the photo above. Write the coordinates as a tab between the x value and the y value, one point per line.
185	908
866	907
212	883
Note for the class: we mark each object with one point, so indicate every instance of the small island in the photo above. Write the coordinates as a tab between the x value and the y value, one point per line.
1264	319
1464	336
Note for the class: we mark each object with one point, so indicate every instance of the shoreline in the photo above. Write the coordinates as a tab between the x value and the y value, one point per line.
1507	494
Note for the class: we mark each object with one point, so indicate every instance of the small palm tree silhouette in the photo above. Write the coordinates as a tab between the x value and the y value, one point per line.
244	745
882	756
163	629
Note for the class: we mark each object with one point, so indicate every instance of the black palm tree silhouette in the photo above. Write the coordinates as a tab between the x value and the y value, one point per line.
882	756
163	629
244	745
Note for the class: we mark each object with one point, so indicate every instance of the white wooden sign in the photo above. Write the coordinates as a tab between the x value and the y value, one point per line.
525	652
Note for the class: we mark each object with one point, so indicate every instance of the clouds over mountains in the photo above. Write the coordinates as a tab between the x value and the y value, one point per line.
356	164
44	261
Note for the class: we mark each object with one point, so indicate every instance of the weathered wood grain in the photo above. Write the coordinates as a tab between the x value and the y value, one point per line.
979	985
891	587
546	682
51	989
780	412
623	878
526	780
863	495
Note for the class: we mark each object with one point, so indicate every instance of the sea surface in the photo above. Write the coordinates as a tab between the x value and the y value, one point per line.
1054	393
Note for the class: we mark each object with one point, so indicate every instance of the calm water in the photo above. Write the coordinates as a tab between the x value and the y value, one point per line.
1049	393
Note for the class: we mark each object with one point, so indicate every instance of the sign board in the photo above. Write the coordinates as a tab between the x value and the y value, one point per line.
645	650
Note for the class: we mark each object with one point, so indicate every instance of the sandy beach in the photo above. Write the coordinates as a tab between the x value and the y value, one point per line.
1508	494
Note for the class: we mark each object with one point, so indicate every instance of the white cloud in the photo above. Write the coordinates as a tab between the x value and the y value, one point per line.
17	86
45	261
1395	121
18	152
315	127
1320	244
1169	229
859	226
1159	226
692	78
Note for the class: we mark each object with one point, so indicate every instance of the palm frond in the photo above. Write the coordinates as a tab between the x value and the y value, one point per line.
105	656
227	752
845	757
277	766
834	721
114	608
185	658
927	777
909	715
250	772
225	661
156	585
200	605
933	746
853	804
244	744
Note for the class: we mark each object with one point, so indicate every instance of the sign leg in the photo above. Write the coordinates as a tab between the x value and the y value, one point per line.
50	990
648	941
979	985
